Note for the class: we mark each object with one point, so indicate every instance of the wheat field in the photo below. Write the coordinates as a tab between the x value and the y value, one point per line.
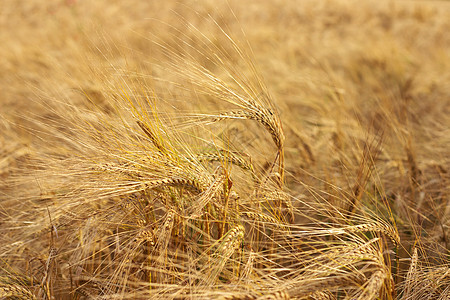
224	149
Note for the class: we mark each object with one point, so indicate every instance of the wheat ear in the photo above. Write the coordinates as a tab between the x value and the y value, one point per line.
189	183
155	141
224	155
280	295
374	285
321	295
15	291
377	227
411	276
238	297
307	287
202	200
268	119
260	217
45	285
225	250
385	229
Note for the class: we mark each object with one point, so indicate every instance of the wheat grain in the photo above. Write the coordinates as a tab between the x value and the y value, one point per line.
202	200
238	297
377	227
13	291
280	295
264	116
146	236
268	119
224	155
45	285
190	183
156	142
306	285
374	285
269	220
225	250
322	295
411	276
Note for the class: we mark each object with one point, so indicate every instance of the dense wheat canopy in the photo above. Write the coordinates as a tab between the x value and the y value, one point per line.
224	149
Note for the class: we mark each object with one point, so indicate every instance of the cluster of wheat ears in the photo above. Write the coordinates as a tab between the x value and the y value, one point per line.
132	194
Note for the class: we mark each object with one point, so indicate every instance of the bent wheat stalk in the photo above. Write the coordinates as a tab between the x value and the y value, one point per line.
385	229
268	119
